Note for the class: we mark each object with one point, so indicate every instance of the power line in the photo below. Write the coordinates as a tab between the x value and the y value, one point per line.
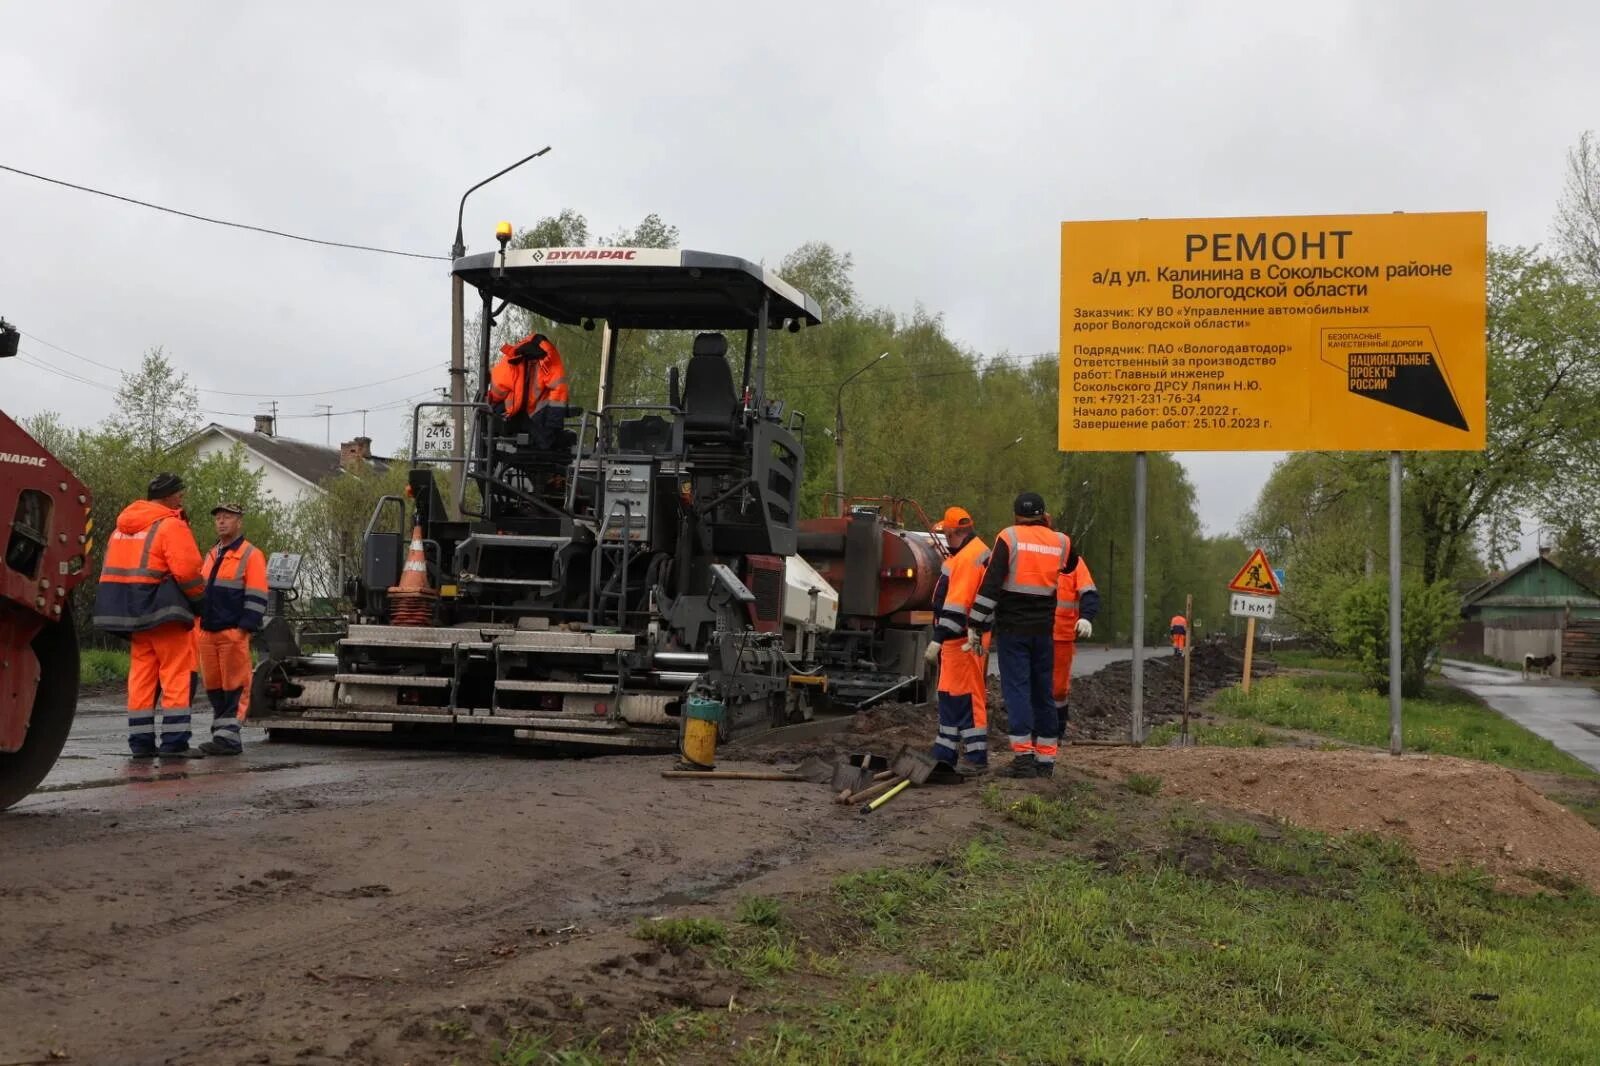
1022	362
329	392
32	360
220	221
247	395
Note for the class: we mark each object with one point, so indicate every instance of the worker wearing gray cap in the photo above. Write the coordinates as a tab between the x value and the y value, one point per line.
234	607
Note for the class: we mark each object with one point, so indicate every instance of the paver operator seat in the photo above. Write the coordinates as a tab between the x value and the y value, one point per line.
710	404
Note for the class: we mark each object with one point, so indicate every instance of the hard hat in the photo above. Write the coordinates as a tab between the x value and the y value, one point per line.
955	518
1029	505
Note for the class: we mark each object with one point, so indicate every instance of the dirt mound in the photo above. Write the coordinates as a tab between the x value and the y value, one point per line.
1099	708
1451	811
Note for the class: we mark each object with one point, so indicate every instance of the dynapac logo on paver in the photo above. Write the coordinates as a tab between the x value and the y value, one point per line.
567	255
25	460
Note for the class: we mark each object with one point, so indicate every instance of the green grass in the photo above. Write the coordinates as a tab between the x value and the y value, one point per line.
1310	660
1445	722
100	667
529	1049
1218	734
679	933
761	911
1142	784
1232	943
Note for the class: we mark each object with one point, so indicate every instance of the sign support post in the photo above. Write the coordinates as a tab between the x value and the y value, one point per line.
1255	590
1136	697
1394	603
1249	650
1188	646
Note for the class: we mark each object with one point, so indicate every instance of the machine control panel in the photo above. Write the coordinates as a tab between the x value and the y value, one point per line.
627	499
283	570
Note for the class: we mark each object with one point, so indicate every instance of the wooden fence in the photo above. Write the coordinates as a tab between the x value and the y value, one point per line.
1580	647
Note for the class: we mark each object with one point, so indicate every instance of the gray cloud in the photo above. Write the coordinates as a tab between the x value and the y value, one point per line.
940	143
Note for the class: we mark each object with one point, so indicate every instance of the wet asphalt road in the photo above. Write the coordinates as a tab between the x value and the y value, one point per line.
94	772
1566	713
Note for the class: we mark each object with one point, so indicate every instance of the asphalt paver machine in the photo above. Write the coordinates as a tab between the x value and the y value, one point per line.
581	591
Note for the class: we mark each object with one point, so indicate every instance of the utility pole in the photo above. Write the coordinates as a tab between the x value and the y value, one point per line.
838	428
458	359
327	415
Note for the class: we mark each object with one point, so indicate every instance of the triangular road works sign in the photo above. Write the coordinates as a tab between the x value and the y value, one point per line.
1256	577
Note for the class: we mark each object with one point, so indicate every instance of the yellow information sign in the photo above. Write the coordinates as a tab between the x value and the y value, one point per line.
1310	333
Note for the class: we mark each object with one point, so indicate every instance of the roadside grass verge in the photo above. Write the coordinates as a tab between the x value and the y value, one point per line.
102	667
1311	660
1217	734
1444	722
1224	941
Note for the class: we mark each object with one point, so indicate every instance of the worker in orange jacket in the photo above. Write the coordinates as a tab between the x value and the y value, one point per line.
1179	632
234	607
1077	604
528	388
1017	599
963	687
149	591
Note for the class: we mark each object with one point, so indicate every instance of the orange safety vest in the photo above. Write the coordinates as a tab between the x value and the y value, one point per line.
1037	555
963	573
151	574
1069	588
521	393
236	587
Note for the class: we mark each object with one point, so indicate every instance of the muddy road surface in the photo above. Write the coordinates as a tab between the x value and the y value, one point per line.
321	904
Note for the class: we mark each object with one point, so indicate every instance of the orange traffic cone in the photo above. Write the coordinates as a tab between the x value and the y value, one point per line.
411	601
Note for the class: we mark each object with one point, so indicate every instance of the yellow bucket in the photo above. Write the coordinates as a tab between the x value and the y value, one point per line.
697	742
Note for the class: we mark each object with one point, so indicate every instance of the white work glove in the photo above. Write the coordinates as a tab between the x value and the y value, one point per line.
931	656
974	645
1085	629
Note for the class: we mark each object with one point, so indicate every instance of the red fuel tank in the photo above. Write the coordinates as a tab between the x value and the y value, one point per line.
878	569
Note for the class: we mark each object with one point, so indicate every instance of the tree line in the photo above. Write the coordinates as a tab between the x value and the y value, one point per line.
1324	514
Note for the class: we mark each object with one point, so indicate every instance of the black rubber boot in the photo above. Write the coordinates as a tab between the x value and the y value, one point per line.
211	747
182	753
1022	766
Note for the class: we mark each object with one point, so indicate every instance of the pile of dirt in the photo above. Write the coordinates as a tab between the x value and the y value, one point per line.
1451	811
1099	708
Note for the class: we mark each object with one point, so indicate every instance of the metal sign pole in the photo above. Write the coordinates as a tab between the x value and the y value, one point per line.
1136	697
1394	603
1188	646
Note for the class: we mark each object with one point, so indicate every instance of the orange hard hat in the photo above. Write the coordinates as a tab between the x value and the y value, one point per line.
955	518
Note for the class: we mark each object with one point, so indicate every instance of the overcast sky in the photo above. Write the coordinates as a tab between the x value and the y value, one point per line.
941	144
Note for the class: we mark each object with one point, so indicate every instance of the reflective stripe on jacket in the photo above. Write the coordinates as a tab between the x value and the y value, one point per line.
236	588
1076	597
151	574
958	586
1018	593
1180	625
510	383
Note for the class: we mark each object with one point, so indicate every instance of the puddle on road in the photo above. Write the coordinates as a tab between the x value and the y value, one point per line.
135	777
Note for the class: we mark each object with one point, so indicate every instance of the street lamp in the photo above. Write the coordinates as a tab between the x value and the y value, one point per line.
458	360
838	428
988	468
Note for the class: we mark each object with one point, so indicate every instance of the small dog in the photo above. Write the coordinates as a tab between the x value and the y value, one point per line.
1541	663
